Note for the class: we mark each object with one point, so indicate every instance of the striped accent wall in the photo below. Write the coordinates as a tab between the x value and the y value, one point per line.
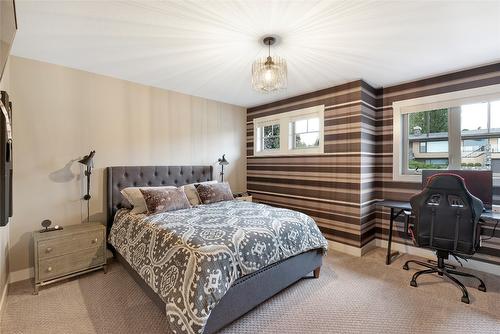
334	188
473	78
338	188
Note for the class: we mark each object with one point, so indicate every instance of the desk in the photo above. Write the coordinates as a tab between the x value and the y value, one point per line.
400	207
397	208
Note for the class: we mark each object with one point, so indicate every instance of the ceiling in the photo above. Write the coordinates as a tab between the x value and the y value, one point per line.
206	48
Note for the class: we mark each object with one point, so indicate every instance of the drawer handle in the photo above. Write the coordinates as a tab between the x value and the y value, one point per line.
48	250
94	241
49	269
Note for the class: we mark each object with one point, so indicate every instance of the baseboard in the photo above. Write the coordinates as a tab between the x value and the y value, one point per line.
351	250
3	301
21	275
343	248
411	250
428	254
369	246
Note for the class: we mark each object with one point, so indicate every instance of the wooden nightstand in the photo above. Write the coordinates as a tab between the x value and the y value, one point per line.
75	250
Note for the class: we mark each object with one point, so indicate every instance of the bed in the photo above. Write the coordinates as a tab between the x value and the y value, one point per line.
241	287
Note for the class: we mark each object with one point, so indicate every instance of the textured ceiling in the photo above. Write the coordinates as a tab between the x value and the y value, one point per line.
206	48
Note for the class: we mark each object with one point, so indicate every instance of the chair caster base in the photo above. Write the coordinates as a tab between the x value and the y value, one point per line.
413	283
405	267
482	288
465	300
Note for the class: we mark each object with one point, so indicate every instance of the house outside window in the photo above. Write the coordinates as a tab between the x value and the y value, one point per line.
451	134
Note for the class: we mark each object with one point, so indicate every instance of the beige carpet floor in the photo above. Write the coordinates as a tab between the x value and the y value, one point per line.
353	295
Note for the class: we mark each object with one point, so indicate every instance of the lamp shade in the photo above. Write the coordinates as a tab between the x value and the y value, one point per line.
88	159
269	74
223	161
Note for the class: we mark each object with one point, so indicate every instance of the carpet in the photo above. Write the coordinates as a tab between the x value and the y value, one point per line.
353	295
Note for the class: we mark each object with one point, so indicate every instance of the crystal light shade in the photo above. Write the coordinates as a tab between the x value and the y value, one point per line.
269	74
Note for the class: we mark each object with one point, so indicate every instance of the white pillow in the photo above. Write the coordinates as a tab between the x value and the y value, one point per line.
135	197
192	193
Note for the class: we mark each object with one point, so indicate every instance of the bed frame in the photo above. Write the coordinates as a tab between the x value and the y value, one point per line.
247	292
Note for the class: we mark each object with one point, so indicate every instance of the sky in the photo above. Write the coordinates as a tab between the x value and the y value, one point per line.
475	116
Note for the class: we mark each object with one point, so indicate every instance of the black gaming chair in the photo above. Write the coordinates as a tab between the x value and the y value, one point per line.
447	221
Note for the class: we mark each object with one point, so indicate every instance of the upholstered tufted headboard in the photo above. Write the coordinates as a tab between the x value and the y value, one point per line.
148	176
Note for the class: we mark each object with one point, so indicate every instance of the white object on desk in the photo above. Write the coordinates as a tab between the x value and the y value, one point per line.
495	208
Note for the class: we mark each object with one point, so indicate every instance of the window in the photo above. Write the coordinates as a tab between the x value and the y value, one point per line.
495	115
437	147
270	137
427	139
459	130
301	129
434	147
304	133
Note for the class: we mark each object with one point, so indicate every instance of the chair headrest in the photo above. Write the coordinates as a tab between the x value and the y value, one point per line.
446	180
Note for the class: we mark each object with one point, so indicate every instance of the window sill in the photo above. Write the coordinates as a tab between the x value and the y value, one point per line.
416	178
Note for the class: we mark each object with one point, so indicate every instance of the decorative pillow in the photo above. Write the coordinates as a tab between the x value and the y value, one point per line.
136	199
217	192
163	200
192	194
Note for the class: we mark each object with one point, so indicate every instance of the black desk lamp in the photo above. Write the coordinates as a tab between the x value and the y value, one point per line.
223	162
88	161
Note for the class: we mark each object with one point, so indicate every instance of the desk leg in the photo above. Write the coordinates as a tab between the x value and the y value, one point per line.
389	240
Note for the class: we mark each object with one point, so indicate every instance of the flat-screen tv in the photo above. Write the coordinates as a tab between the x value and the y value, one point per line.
8	27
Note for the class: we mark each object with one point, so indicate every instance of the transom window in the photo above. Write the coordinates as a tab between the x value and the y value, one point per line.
459	134
301	129
304	133
270	138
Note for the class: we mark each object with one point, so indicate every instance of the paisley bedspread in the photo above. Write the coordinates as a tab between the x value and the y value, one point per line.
191	257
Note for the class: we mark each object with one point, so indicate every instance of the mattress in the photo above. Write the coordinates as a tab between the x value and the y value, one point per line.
191	257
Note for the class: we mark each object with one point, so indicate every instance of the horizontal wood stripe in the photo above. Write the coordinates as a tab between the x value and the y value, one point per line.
301	197
446	79
344	196
354	85
329	101
351	211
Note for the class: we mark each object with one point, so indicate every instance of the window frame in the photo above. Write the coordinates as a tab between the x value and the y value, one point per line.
284	120
439	101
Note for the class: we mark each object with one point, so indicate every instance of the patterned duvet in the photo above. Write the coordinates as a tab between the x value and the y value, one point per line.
191	257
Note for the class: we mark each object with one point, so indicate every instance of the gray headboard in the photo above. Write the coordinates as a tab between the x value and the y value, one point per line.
144	176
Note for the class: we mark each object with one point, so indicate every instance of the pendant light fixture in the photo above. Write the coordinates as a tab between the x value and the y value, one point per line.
269	74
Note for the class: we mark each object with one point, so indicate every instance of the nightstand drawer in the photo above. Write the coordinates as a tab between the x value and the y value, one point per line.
69	244
69	263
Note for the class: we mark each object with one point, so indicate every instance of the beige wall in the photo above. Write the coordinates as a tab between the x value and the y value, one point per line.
62	113
4	231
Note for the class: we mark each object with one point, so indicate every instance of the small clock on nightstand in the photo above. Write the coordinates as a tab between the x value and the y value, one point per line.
243	196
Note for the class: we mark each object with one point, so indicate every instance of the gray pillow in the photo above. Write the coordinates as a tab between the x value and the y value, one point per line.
192	194
216	192
136	199
163	200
